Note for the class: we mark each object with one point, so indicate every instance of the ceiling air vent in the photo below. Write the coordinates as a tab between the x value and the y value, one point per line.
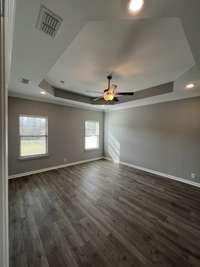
48	22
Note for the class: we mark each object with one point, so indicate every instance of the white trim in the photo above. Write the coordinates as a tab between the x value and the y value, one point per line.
161	174
6	36
4	243
53	168
39	156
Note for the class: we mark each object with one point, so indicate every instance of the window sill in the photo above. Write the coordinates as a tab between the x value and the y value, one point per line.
34	157
91	149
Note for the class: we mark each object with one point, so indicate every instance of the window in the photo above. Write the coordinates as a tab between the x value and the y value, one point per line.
33	136
91	135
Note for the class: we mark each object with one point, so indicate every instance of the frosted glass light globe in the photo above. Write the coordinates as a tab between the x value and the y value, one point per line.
136	5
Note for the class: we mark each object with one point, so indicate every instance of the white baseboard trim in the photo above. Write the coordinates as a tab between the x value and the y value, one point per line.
52	168
164	175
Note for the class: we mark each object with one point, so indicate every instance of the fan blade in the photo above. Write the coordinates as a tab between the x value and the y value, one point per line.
125	93
115	99
93	91
97	98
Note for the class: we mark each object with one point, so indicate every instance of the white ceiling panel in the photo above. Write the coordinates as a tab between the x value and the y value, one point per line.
139	54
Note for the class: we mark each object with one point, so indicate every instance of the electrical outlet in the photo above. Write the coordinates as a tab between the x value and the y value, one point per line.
193	175
65	159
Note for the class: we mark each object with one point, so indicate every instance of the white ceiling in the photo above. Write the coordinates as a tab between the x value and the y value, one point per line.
98	37
139	54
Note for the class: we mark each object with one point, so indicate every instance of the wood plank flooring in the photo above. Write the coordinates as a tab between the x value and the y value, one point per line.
100	214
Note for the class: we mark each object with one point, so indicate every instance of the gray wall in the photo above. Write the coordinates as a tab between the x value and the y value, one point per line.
163	137
66	134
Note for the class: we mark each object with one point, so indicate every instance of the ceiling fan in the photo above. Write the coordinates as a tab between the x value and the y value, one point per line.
110	94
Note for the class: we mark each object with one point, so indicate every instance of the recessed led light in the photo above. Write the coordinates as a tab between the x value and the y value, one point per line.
43	93
136	5
190	85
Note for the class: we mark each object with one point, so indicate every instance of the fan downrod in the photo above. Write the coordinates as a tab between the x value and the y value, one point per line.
109	77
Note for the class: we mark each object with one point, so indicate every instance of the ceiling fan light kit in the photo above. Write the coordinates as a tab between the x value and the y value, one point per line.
135	6
110	94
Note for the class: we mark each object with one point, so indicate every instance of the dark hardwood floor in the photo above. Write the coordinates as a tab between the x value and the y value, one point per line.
99	214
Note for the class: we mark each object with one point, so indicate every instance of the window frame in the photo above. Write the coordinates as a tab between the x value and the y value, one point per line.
95	148
46	136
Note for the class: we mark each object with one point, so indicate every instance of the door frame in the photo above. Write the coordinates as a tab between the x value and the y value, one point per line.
7	11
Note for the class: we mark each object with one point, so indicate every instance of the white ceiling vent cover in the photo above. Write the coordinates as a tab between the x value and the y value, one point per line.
48	22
